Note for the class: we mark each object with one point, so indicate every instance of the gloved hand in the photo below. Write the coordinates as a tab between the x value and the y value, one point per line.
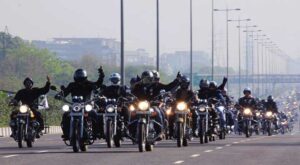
101	73
178	77
225	79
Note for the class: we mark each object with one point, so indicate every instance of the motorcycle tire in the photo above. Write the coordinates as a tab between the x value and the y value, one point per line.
141	133
179	134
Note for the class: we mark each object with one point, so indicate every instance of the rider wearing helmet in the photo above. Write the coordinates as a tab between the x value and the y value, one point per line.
270	105
29	96
203	91
185	94
81	87
149	88
247	101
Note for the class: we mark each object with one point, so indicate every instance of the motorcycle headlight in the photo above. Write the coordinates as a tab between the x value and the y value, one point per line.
144	105
131	108
169	110
202	109
181	106
247	111
269	114
88	107
110	109
65	108
23	108
257	113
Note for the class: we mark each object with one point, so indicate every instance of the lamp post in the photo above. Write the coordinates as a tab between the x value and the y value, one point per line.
157	35
252	54
191	43
227	39
122	44
212	40
247	49
239	24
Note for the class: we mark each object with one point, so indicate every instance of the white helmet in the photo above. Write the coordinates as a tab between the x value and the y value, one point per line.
115	78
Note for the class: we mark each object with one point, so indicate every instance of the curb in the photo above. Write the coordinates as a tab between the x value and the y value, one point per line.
6	131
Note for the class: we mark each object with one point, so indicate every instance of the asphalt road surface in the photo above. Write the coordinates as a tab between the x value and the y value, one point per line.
257	150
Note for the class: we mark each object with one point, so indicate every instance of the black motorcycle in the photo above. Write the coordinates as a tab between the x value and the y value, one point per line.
203	121
246	121
113	123
182	129
268	120
26	126
81	132
143	119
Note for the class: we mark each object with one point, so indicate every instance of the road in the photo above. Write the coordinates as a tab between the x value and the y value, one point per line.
260	150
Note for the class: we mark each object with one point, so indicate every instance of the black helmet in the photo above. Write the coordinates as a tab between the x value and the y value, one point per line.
28	80
204	83
80	75
247	90
133	80
213	84
185	82
270	98
156	75
147	77
115	78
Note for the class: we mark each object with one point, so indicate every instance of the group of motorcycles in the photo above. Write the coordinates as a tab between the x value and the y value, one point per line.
186	120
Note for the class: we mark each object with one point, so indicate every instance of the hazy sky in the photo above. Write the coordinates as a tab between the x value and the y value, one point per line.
45	19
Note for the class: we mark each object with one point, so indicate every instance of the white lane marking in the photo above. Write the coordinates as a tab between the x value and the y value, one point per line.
102	143
195	155
9	156
178	162
228	145
43	151
219	148
236	142
207	151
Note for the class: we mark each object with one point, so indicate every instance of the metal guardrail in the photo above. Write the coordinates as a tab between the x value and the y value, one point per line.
270	79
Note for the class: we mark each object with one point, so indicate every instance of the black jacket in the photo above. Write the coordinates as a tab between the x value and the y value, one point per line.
83	89
113	91
248	102
271	106
30	96
184	95
149	92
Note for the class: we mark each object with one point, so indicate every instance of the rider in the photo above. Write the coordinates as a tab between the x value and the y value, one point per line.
247	101
29	96
115	91
149	89
182	94
270	105
81	87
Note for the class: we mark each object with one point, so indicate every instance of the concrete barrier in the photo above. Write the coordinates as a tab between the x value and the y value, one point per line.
6	131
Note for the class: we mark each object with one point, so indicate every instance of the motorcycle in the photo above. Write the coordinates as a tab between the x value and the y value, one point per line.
81	132
221	111
246	121
182	129
203	121
142	117
26	126
268	123
113	123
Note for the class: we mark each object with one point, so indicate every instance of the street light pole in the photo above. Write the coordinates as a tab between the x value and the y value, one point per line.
122	44
157	35
239	40
212	40
227	40
191	43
